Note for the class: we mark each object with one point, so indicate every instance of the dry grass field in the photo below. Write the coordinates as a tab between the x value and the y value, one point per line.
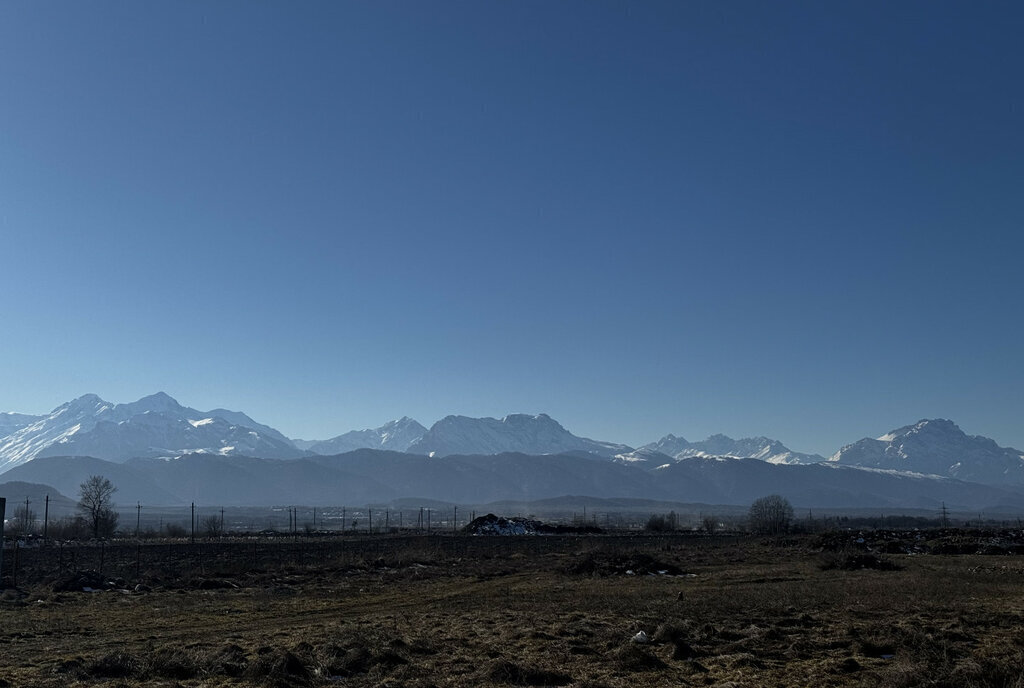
558	611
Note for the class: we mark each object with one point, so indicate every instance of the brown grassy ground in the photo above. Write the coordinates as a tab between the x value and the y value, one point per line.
755	614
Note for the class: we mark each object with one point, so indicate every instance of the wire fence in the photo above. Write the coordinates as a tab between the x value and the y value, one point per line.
128	562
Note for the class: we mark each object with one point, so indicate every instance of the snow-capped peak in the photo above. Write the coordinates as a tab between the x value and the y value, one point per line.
156	425
763	448
395	435
518	432
938	447
161	402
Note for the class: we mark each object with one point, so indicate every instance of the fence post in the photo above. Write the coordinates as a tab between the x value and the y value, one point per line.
3	516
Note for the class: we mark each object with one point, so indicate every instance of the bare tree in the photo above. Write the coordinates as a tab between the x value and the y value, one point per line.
771	515
94	501
23	522
710	524
212	526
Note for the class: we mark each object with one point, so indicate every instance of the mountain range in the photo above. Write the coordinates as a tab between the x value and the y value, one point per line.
154	426
762	448
161	452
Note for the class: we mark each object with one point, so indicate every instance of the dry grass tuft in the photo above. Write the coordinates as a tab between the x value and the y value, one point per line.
634	658
504	671
855	561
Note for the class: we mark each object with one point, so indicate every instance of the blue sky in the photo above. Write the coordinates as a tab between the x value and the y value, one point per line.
802	220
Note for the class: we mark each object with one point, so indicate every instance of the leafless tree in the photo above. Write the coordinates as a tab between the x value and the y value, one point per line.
23	522
710	524
770	515
211	526
94	501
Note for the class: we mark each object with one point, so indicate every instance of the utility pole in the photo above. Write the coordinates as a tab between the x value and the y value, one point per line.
46	518
28	520
342	520
222	521
455	520
193	523
945	516
138	517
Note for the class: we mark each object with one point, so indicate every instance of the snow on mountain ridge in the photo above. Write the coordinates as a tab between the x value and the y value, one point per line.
718	445
66	420
395	435
518	432
155	425
12	422
937	447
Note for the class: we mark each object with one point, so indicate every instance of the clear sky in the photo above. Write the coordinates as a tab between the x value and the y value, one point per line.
795	219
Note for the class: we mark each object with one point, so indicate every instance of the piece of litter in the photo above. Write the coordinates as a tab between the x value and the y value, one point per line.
640	637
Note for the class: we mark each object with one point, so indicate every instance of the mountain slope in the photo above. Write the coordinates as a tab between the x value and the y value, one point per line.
519	432
12	422
492	477
763	448
155	425
67	473
937	447
740	481
17	491
395	435
239	418
63	422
